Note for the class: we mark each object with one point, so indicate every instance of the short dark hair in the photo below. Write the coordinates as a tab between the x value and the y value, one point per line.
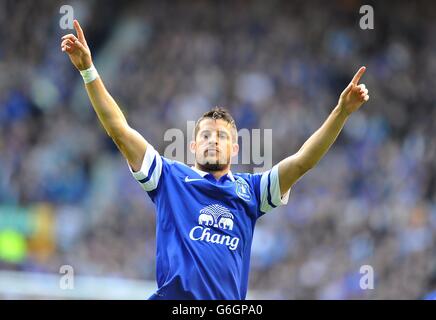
215	114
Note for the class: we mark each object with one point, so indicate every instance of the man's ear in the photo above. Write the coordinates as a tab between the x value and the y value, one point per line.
192	146
235	149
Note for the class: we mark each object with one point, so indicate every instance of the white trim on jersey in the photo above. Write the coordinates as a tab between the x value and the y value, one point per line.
203	173
151	169
270	194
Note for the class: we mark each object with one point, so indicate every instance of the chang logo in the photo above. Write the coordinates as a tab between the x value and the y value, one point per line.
216	216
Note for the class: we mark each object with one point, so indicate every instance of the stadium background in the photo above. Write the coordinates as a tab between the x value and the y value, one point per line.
66	194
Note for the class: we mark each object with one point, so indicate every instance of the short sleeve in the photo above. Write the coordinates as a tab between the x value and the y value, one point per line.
270	193
151	169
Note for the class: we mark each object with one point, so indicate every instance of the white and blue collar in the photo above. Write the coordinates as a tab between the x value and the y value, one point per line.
203	173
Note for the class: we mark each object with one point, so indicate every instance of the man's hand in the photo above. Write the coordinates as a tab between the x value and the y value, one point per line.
131	144
294	167
354	94
77	48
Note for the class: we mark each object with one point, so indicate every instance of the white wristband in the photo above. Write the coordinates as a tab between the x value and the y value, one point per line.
89	75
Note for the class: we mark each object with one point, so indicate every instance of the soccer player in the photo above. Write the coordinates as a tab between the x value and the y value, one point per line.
206	214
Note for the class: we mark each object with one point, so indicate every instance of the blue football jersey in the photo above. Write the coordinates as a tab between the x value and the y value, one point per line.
204	226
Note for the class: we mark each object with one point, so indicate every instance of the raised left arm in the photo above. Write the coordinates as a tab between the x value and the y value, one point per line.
294	167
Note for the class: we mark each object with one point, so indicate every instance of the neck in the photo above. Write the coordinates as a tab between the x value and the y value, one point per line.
216	174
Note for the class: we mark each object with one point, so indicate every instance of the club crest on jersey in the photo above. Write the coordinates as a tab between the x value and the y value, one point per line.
243	189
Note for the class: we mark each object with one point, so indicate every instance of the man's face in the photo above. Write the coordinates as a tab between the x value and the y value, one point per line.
213	146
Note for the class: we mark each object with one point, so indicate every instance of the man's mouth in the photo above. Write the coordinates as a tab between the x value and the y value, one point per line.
211	151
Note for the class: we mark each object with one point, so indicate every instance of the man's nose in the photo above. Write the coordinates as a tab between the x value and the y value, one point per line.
213	139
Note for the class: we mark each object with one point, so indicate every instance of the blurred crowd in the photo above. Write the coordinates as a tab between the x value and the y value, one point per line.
277	65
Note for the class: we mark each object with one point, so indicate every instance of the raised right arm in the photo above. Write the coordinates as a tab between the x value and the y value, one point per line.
131	144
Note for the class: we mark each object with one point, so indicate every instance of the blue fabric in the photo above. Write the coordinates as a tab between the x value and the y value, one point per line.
204	231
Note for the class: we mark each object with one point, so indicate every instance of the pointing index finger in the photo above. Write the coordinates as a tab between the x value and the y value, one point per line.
79	31
358	75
